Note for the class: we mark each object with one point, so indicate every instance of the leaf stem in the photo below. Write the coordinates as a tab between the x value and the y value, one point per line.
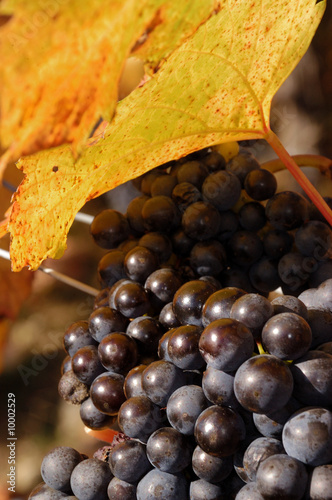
299	176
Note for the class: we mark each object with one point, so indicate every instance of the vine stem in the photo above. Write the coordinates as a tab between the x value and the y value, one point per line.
299	176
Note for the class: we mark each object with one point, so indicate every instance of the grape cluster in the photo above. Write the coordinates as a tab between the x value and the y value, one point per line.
219	392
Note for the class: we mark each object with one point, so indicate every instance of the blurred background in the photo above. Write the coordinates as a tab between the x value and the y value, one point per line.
35	309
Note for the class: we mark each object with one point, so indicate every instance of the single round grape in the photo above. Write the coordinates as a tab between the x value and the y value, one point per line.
236	277
290	304
184	406
253	310
260	184
133	382
160	214
184	194
157	484
287	336
111	268
241	164
218	387
163	185
93	418
277	242
167	317
71	389
90	479
134	214
194	172
138	417
281	476
159	243
107	393
86	364
252	216
208	258
203	490
219	304
320	483
258	451
105	320
182	347
214	161
146	331
168	450
209	468
307	436
139	263
131	300
182	244
121	489
163	283
314	239
160	379
163	345
263	384
188	301
128	245
57	466
76	336
286	210
201	221
264	275
219	431
222	189
245	247
109	228
128	461
118	352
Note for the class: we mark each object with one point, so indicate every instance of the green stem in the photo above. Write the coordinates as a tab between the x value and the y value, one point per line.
299	176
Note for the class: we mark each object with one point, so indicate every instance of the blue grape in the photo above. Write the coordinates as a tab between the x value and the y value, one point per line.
209	468
90	479
203	490
320	483
158	485
118	489
184	406
44	492
57	467
249	492
168	450
128	461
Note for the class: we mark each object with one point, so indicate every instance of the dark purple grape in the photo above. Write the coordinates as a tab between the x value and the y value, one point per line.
214	161
263	384
160	214
168	450
121	489
280	476
260	184
163	345
160	379
219	431
321	273
71	389
139	263
294	269
307	436
245	248
314	239
57	466
139	417
93	418
287	336
163	185
111	268
290	304
133	382
184	194
236	277
264	275
218	387
201	221
102	298
219	304
194	172
208	258
182	347
184	406
158	243
118	352
157	483
286	210
225	344
258	451
134	214
162	284
253	310
313	378
249	492
113	289
77	336
128	461
252	216
105	320
90	479
320	481
189	300
167	317
86	364
147	332
109	228
222	189
106	392
277	242
242	164
131	300
209	468
182	244
203	490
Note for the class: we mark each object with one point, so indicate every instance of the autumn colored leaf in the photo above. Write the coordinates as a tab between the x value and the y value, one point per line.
216	87
61	62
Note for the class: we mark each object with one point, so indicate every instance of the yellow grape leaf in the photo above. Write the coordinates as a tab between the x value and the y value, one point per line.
216	87
62	60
